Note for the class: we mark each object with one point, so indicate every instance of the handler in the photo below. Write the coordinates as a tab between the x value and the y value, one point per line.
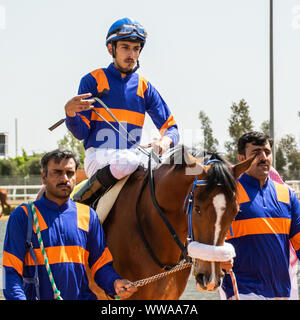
269	218
73	239
109	156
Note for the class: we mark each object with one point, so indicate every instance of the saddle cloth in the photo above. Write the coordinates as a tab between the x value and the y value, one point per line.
107	201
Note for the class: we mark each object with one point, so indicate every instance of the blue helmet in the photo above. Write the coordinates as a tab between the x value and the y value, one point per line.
126	29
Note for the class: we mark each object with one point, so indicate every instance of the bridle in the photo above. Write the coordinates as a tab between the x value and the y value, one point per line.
187	208
189	201
191	248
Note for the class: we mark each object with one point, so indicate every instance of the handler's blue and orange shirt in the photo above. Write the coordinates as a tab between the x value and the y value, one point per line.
269	217
73	239
128	98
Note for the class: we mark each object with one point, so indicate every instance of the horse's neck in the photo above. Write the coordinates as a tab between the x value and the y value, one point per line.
170	193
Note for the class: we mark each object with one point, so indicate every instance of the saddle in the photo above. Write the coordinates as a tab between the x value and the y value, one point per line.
103	205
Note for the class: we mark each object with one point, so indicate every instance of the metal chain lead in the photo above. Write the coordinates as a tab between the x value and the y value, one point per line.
146	281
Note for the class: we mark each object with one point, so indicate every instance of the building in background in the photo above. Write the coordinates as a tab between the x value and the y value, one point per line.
3	144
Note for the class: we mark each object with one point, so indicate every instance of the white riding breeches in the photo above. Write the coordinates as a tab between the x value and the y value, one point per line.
122	162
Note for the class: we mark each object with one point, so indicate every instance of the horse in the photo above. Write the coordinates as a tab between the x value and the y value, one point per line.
3	199
149	215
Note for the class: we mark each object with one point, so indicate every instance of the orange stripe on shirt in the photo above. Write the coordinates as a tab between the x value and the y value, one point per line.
296	241
122	115
59	254
85	120
83	216
254	226
10	260
105	258
142	87
100	77
42	223
282	193
170	122
242	195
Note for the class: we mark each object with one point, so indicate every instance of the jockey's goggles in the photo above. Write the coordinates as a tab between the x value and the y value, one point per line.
128	29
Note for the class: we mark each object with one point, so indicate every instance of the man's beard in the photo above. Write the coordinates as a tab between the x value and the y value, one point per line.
58	193
125	70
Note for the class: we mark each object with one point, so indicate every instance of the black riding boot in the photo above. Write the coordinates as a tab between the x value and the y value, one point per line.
96	186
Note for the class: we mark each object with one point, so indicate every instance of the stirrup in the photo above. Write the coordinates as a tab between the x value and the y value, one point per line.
86	192
96	186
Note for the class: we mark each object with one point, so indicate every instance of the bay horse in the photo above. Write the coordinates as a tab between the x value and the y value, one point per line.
3	200
140	241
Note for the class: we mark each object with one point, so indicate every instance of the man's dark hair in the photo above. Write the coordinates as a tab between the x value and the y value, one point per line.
254	137
57	155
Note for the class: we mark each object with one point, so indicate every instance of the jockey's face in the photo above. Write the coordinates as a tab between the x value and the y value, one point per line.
261	165
126	55
59	179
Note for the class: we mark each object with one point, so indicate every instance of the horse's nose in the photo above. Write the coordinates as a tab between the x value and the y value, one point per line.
206	283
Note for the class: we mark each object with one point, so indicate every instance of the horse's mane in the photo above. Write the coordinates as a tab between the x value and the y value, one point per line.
220	172
177	155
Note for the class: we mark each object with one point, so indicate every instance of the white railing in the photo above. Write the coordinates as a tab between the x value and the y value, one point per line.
13	195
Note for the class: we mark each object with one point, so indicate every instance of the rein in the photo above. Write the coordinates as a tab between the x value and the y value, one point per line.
150	179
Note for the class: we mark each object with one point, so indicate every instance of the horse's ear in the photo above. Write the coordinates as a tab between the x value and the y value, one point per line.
241	167
193	165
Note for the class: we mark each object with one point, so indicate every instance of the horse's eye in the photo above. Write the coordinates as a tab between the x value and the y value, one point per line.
197	209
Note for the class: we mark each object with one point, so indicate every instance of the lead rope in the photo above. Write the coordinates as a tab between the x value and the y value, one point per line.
144	282
56	292
156	277
234	284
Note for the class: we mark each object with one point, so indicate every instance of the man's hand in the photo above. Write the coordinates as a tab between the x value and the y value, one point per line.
161	145
79	103
124	288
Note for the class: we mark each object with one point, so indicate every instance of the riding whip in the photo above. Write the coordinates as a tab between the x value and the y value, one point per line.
133	142
61	121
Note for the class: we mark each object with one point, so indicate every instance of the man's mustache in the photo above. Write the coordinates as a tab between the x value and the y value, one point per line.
263	162
128	60
64	184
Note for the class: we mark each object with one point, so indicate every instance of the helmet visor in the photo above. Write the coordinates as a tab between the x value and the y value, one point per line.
128	29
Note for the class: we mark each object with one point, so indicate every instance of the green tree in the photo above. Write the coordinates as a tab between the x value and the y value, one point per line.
265	127
288	145
71	143
290	156
210	143
240	122
281	161
8	167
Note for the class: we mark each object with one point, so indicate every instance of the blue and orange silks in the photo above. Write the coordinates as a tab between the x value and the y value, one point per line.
268	219
129	99
73	240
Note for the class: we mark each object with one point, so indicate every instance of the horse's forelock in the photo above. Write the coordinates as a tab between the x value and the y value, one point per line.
221	174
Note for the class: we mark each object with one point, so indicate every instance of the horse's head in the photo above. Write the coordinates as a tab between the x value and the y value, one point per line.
213	195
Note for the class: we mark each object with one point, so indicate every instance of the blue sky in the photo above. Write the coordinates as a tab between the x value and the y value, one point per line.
200	55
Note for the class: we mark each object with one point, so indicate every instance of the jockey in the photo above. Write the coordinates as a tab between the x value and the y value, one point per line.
109	156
